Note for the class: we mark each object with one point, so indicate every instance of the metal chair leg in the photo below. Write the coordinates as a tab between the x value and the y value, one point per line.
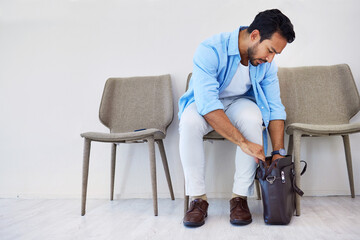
346	141
85	173
113	162
166	167
151	145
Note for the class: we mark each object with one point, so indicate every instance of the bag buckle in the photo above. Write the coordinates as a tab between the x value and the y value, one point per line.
282	177
271	179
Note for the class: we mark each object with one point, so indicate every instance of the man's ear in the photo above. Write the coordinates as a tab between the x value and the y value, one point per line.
255	36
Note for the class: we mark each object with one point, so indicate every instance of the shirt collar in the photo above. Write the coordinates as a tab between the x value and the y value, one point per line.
234	41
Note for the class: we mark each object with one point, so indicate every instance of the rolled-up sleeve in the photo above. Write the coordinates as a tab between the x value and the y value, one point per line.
204	79
271	88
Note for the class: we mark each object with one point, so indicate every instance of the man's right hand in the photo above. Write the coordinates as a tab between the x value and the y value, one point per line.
253	149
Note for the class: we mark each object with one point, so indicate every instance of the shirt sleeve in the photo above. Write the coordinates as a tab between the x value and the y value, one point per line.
206	86
271	88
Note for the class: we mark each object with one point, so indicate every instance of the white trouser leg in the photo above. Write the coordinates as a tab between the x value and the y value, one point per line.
246	117
192	128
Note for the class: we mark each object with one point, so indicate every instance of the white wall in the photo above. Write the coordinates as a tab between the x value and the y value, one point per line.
56	55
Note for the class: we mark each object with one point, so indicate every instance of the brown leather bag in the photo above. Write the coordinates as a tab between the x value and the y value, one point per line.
278	188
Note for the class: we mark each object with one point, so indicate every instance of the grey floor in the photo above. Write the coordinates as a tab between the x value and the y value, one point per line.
322	218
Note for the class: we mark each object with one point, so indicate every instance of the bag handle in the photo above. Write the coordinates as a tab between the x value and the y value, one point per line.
304	169
296	188
270	168
272	165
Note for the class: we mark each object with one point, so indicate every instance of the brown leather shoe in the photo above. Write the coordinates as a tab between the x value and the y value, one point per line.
195	216
239	212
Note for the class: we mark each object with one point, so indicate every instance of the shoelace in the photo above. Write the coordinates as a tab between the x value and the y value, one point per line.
196	205
237	202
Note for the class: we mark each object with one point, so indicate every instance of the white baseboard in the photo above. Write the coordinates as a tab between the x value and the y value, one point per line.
160	195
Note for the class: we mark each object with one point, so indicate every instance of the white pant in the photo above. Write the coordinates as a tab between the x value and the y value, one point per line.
245	115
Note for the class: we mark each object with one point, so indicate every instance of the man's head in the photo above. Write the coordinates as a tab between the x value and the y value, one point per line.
269	33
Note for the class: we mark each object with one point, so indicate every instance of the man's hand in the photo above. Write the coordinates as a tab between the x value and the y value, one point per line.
254	150
276	156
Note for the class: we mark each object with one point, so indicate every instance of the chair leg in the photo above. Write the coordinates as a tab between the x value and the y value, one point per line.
113	162
297	145
85	173
346	141
186	201
290	145
257	186
151	144
166	167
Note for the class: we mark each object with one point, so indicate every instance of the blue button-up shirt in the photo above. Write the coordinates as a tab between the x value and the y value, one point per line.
215	64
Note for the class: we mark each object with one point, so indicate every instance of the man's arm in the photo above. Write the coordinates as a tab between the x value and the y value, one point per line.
276	131
221	124
271	88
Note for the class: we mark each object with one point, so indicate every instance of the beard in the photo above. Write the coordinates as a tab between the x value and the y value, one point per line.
252	52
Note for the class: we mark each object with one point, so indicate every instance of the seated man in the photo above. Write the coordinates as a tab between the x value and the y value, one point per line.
234	89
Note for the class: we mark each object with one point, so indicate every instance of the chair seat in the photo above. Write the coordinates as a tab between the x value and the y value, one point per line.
122	137
213	135
315	129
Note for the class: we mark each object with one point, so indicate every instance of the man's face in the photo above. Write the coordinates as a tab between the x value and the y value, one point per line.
265	51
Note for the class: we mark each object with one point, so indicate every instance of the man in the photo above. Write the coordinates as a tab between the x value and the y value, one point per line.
234	90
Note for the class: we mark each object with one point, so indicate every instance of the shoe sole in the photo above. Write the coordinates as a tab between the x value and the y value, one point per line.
193	224
240	222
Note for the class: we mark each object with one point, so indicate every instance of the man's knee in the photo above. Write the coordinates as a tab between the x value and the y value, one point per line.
249	118
193	124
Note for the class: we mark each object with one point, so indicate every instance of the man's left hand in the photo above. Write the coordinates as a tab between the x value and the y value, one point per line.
276	156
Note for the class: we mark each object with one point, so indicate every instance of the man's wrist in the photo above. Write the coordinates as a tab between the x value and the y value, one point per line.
241	140
281	152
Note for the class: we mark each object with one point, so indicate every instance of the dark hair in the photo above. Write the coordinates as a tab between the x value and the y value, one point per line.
270	21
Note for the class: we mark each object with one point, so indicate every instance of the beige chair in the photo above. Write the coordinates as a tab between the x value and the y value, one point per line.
319	101
137	109
213	135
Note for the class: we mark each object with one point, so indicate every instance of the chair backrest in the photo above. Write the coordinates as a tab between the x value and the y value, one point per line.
135	103
319	94
188	81
213	135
